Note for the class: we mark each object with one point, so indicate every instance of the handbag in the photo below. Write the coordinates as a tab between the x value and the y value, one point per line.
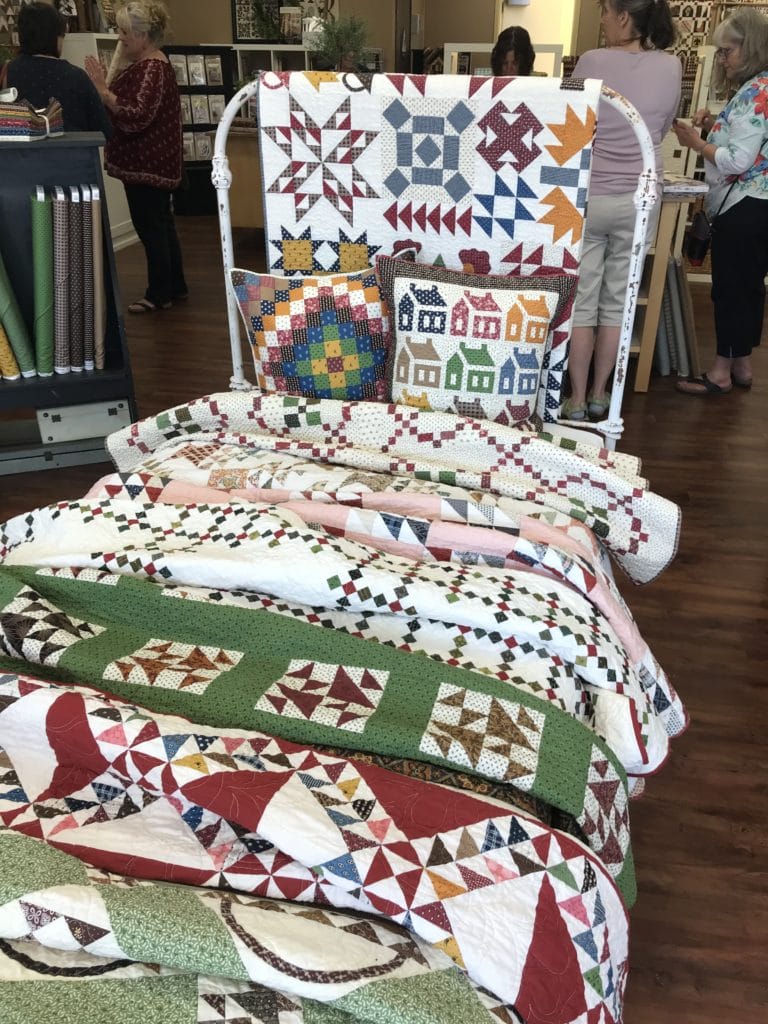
700	233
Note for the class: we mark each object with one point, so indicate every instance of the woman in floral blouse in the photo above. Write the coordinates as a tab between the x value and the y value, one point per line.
736	160
145	150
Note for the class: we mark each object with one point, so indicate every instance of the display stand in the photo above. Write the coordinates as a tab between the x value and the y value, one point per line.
47	422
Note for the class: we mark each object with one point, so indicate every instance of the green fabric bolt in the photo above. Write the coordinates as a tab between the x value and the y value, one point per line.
42	269
15	328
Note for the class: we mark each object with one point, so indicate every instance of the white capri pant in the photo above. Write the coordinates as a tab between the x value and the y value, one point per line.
608	232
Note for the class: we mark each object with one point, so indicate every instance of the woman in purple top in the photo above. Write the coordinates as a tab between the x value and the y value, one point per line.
635	65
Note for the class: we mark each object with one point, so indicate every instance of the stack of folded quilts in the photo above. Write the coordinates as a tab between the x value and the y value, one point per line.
21	121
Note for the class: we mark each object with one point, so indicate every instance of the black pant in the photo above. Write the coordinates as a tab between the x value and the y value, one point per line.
739	267
152	216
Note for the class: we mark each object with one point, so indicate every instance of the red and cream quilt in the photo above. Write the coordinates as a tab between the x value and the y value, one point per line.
365	659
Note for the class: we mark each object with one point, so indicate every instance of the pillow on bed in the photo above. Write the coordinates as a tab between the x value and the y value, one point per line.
547	402
470	343
319	337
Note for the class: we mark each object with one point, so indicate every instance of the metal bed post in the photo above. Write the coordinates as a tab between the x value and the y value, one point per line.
645	197
221	176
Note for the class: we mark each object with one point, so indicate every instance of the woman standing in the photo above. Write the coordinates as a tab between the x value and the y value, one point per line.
633	64
145	150
736	161
39	74
513	53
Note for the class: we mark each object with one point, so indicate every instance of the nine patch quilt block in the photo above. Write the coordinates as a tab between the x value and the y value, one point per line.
490	172
320	337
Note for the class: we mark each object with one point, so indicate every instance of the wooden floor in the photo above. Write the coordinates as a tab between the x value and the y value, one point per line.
699	939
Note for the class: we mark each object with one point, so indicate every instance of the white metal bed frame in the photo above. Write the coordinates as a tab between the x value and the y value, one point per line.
609	431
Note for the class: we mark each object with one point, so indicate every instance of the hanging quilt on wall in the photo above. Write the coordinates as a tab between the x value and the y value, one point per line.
472	172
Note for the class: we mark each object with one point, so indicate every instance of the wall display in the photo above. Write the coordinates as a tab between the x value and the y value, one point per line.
188	142
216	104
179	65
213	70
200	112
203	146
196	68
255	21
186	109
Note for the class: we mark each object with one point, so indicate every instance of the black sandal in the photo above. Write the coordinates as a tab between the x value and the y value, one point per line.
145	306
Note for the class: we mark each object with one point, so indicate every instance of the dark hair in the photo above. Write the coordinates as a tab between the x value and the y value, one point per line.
516	39
40	28
652	20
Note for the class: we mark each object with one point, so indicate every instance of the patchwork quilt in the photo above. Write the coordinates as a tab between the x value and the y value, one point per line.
489	173
301	665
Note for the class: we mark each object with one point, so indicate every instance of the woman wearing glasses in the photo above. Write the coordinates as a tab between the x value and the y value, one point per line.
735	156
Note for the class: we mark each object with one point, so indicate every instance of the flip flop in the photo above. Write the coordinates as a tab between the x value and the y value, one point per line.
702	386
145	306
742	382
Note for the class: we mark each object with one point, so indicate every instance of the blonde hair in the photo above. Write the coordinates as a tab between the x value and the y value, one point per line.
138	16
148	16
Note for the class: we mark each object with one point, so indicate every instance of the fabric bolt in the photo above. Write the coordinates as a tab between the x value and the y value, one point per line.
468	170
99	292
60	206
87	258
15	327
76	317
9	368
43	291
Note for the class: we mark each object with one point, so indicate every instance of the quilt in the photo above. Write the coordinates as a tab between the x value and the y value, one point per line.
486	173
329	665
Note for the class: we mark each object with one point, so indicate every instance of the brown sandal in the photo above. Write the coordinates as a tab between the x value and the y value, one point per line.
145	306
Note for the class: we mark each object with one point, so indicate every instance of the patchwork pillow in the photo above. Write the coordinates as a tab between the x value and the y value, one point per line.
319	337
548	400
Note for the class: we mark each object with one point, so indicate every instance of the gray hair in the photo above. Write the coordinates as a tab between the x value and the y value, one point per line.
748	30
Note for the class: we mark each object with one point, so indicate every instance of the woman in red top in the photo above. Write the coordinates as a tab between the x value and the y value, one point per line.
145	150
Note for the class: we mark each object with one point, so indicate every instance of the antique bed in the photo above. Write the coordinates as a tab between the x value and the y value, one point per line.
330	710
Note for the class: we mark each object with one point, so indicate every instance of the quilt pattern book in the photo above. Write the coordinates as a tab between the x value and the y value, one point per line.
486	173
300	665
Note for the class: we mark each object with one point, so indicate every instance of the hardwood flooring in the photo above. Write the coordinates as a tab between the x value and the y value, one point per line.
699	939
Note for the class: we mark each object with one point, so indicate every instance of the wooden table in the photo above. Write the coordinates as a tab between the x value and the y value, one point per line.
673	205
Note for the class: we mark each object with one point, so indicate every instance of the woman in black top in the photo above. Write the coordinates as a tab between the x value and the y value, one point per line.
39	74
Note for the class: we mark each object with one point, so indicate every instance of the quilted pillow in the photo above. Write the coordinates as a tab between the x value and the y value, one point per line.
548	400
320	337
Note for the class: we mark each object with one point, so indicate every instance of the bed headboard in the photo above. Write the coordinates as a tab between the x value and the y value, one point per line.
487	172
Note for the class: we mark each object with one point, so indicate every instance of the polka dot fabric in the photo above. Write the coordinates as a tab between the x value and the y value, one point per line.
319	337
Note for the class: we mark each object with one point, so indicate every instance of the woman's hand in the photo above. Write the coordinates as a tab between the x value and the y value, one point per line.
97	73
688	135
703	119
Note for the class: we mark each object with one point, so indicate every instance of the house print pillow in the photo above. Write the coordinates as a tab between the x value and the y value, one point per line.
548	397
320	337
474	350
